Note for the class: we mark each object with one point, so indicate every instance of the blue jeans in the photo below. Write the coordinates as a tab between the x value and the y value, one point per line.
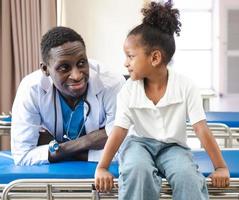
144	161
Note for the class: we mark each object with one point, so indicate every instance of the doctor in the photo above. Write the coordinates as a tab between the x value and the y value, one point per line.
65	110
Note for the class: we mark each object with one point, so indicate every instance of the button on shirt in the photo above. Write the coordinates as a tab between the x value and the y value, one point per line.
165	121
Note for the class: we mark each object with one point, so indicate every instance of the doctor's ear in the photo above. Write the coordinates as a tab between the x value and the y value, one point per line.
44	69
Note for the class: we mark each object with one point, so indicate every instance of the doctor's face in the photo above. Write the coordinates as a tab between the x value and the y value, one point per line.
69	69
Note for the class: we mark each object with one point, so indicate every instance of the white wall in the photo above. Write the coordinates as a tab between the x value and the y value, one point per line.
103	25
224	50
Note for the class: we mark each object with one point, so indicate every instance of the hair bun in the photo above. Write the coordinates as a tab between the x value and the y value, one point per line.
162	17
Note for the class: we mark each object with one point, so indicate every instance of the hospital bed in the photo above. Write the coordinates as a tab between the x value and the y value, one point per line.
74	179
5	130
5	124
224	125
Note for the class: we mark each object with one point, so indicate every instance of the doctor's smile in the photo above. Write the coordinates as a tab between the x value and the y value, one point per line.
77	85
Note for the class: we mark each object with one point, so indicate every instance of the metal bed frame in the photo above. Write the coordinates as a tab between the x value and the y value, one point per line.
220	131
59	189
5	130
5	124
62	189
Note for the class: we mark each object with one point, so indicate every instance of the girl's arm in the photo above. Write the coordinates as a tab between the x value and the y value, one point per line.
220	177
103	179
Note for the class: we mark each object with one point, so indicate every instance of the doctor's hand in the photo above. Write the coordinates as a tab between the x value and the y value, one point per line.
220	177
103	180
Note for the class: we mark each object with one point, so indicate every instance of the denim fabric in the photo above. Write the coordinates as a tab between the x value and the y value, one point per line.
143	164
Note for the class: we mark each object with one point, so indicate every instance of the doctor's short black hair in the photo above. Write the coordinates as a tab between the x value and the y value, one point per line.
55	37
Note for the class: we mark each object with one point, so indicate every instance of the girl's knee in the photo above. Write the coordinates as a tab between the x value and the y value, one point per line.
137	168
187	177
142	171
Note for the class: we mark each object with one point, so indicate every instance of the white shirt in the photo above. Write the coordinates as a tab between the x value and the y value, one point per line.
33	109
165	121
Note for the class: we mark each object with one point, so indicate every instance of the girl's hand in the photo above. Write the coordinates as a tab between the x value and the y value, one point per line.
220	177
103	180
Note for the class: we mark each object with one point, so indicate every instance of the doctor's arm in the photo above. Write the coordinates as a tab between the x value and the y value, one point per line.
26	123
78	148
220	177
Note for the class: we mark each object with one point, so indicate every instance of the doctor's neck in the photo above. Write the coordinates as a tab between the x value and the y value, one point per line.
73	101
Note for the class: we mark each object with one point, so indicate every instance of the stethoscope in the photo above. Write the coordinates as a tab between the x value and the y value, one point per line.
54	145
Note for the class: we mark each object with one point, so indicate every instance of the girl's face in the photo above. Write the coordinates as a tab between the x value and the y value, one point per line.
137	61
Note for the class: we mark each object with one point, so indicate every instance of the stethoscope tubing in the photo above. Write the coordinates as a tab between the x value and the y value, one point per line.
55	113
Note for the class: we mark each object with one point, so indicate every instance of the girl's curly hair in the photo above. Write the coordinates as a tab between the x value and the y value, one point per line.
164	17
157	29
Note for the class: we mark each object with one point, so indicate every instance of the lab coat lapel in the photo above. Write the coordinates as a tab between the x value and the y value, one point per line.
48	111
94	87
92	121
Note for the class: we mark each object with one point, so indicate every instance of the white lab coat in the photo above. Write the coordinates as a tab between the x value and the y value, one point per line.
33	109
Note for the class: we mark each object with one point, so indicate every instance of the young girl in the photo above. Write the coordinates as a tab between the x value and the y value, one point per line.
152	107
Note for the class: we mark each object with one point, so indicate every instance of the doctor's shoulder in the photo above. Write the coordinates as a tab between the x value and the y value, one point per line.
32	78
32	81
27	91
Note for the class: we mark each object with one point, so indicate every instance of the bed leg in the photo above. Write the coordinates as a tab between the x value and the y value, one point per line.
95	193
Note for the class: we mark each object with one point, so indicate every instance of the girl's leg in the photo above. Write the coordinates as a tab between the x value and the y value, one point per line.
138	178
182	174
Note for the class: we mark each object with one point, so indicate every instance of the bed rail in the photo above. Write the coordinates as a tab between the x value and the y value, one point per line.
59	189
